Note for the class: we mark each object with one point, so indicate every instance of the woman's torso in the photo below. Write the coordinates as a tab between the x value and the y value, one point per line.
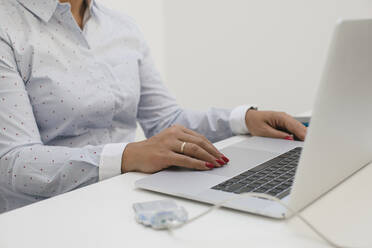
84	86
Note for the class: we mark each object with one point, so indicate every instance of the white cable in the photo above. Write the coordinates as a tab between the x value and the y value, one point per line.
267	197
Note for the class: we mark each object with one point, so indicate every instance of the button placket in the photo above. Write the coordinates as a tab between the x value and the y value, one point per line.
103	79
64	15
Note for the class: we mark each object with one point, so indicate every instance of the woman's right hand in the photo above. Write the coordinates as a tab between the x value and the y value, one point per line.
164	150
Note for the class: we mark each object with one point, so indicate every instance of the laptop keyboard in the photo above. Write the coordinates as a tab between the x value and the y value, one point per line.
274	177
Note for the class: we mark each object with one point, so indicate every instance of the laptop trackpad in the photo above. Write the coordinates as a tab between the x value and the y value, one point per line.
241	159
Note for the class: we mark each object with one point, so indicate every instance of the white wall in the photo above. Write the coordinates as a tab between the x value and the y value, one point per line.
269	52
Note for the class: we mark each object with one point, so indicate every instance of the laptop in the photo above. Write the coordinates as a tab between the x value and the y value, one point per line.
338	142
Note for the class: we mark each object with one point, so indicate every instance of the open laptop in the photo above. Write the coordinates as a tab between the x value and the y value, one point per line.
338	143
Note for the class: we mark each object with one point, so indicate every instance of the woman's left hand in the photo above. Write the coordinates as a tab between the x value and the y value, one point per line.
274	124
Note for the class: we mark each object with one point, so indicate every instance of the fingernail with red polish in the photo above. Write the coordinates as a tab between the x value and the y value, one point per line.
225	159
289	138
209	165
220	162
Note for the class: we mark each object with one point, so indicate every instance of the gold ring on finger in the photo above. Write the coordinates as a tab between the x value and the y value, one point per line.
183	147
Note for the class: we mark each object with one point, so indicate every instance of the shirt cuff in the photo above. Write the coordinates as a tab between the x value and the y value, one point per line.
237	119
110	163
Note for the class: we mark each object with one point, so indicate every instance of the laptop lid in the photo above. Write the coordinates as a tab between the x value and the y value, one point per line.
339	140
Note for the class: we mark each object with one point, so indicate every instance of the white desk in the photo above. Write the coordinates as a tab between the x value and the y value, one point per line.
101	215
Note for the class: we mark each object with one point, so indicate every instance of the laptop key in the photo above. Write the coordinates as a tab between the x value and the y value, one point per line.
282	178
259	190
276	173
244	190
247	173
234	180
255	185
254	177
284	193
247	181
271	184
261	182
239	177
287	184
276	166
281	187
266	187
271	193
288	175
235	187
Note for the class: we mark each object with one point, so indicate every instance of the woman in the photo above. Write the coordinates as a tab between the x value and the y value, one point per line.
75	78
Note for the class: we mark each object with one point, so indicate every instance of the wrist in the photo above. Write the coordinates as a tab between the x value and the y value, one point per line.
248	115
128	158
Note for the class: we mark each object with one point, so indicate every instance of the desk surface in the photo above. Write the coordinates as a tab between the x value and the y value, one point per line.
101	215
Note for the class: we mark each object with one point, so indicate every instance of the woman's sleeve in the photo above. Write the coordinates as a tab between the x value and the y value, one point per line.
158	109
27	166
